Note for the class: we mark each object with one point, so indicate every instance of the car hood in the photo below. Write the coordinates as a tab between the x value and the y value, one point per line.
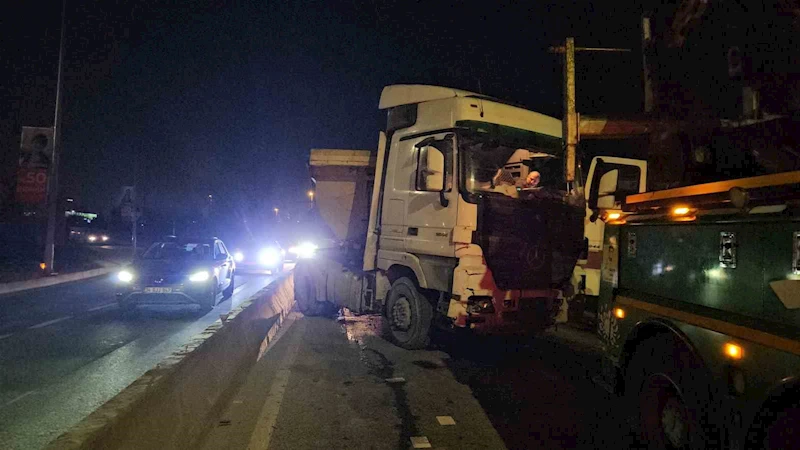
171	267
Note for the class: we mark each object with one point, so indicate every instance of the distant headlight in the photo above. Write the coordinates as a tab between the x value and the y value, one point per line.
104	238
125	276
269	256
201	276
238	256
92	238
305	250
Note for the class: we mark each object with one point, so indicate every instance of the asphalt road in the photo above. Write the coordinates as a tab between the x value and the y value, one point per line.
66	349
339	385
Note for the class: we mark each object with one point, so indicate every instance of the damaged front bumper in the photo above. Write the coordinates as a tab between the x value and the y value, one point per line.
477	303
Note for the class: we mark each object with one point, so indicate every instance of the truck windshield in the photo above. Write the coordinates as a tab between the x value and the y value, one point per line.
510	167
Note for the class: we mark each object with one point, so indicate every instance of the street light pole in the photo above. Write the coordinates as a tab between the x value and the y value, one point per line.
52	179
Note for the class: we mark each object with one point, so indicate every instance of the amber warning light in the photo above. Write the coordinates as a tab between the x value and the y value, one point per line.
680	210
733	351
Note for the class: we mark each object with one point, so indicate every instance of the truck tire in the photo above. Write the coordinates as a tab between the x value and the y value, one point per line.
408	315
669	393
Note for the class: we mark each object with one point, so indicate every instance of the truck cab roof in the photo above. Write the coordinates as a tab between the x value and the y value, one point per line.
408	94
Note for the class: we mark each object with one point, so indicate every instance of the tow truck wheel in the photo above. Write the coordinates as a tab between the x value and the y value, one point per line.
408	315
664	384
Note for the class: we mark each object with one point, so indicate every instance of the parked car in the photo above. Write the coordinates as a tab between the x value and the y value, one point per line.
175	271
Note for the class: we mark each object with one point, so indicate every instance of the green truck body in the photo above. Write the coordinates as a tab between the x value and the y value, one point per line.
724	288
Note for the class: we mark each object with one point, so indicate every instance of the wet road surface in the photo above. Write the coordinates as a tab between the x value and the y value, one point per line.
338	385
66	349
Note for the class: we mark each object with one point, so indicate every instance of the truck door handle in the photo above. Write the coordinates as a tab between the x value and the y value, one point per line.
413	231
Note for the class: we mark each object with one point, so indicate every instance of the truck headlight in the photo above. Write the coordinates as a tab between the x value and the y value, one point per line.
125	276
238	256
200	276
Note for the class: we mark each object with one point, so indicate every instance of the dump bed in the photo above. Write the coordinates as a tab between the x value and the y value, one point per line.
344	180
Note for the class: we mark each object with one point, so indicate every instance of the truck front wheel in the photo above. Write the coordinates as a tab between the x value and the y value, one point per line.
408	315
665	385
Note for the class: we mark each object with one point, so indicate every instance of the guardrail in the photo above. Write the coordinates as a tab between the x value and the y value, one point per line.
174	404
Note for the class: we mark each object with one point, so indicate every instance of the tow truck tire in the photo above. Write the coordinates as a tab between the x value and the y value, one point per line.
667	389
408	315
228	292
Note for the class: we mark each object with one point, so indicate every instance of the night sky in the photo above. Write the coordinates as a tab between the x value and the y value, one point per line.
206	97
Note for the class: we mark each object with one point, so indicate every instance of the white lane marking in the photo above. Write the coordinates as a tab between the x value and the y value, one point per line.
107	305
49	322
420	442
262	434
16	399
3	336
445	420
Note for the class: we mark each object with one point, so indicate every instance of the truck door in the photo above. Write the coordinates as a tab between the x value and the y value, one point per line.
419	202
431	199
632	178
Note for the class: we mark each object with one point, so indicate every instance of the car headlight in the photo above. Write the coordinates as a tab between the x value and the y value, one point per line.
104	238
200	276
269	256
92	238
125	276
304	251
238	256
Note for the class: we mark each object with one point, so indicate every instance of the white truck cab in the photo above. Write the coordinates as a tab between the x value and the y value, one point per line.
471	222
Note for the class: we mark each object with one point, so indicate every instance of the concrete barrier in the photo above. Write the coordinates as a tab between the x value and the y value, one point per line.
18	286
173	405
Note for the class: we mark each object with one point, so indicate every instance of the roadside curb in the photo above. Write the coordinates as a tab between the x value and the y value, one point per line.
173	404
19	286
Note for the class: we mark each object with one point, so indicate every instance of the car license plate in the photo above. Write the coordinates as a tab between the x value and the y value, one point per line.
158	290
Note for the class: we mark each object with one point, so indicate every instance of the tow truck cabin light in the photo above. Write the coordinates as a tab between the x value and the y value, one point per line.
733	351
125	276
199	277
619	313
269	256
238	256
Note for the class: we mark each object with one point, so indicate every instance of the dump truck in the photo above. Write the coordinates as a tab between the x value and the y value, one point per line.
468	215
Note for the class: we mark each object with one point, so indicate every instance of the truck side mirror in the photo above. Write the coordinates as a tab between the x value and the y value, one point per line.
430	169
607	188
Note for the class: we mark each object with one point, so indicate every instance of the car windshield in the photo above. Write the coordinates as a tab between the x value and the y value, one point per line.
509	166
178	250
